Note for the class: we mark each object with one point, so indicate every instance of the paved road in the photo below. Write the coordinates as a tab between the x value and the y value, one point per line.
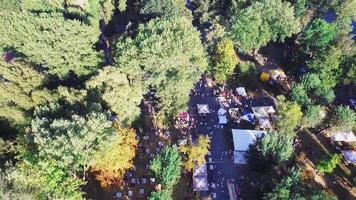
221	144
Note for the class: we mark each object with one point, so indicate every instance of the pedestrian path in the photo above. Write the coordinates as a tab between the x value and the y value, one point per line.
219	163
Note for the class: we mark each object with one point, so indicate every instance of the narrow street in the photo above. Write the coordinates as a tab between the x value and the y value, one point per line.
220	163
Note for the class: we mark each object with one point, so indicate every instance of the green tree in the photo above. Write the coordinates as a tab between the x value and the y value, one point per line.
248	72
318	35
166	167
195	153
313	116
169	56
343	118
349	66
322	195
346	9
87	11
300	94
10	191
270	151
164	8
329	164
299	8
43	180
121	5
208	10
160	195
225	60
284	188
311	81
122	95
58	44
21	88
69	134
289	115
262	22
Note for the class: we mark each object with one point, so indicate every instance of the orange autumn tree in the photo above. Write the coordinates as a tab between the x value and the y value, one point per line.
115	157
195	153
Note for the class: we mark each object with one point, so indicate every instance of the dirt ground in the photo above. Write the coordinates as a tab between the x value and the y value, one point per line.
316	147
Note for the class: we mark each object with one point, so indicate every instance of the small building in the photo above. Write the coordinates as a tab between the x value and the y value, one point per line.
203	108
242	140
200	178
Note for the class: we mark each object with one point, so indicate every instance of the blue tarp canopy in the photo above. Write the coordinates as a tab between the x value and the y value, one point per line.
248	117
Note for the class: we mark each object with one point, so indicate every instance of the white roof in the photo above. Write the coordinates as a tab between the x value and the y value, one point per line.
239	157
201	170
262	111
200	183
203	108
221	111
350	156
200	178
344	136
241	91
222	119
244	138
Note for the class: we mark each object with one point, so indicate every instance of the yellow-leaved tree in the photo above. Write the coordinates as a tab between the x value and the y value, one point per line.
195	153
115	157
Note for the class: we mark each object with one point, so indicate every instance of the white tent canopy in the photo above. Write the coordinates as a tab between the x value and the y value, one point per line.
244	138
262	111
241	91
264	122
344	136
222	119
201	170
221	111
203	108
200	183
350	156
200	178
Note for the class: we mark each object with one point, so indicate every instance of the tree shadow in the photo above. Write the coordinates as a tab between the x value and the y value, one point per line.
317	147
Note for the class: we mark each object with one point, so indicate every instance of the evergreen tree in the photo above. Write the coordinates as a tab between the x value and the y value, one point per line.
313	116
58	44
21	88
289	116
318	36
164	8
166	167
69	134
271	151
284	188
123	95
169	56
343	118
160	195
262	22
